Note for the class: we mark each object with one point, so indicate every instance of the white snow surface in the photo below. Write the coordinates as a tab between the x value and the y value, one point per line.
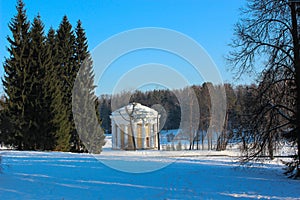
180	175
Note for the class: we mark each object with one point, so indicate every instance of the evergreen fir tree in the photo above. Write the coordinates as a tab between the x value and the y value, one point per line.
81	52
15	75
64	63
53	82
39	105
85	103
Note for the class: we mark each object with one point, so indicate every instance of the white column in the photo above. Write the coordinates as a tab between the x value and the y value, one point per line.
158	125
155	138
125	136
134	132
151	136
143	135
113	133
118	137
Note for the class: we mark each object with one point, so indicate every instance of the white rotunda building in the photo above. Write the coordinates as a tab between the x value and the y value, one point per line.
144	123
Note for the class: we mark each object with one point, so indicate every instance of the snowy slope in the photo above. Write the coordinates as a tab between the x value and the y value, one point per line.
54	175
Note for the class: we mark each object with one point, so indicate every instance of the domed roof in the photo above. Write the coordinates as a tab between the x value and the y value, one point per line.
136	110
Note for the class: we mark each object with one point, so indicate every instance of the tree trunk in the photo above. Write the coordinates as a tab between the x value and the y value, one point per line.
198	140
208	139
158	141
297	77
202	141
131	126
132	134
222	139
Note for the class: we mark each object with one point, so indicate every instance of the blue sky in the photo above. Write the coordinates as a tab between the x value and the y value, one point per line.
210	23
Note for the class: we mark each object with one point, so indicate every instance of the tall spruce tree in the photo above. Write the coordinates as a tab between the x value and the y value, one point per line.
81	53
39	110
15	76
85	102
59	119
65	64
52	88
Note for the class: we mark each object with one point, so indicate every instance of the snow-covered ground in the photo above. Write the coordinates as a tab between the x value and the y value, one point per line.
140	175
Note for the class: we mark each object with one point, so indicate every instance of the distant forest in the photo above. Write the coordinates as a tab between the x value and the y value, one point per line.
238	100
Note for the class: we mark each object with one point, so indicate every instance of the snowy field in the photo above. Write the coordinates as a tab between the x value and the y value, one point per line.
143	175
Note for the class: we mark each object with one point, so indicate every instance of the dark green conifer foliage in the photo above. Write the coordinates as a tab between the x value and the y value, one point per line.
5	124
36	112
54	95
85	103
39	105
65	63
15	76
60	121
81	53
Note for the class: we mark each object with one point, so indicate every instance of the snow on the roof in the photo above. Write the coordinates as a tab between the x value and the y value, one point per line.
139	110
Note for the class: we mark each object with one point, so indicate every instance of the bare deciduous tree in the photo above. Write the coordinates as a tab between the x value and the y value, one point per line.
131	118
267	38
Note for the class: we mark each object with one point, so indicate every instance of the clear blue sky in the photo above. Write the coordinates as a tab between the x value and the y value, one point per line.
210	23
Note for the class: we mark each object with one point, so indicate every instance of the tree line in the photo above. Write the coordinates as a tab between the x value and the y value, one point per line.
239	99
40	74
